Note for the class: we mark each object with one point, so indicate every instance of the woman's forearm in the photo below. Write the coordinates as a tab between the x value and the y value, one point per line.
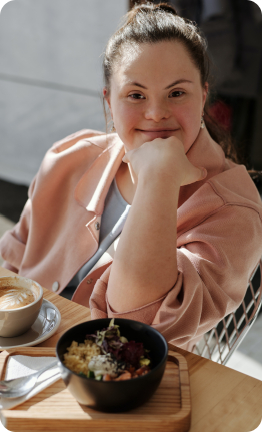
145	263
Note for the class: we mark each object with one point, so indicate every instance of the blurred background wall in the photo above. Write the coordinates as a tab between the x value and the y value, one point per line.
50	75
50	81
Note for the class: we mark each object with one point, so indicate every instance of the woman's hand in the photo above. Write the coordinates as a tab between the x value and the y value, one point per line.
164	156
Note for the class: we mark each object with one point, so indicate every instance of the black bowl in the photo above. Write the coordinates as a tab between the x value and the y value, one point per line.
115	396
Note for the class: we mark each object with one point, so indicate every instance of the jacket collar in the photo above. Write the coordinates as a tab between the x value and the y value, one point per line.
93	186
204	152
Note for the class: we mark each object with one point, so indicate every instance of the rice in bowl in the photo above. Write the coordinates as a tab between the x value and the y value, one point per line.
79	355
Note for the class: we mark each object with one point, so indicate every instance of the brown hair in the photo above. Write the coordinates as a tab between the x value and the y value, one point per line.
152	23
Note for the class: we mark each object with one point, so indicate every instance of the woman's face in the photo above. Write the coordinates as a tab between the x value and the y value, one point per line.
156	92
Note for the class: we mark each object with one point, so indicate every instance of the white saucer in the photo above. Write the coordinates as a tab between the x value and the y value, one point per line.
43	328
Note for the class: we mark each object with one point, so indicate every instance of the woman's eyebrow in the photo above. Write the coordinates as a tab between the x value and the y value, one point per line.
133	83
180	81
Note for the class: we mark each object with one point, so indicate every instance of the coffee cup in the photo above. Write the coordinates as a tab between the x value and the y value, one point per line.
20	303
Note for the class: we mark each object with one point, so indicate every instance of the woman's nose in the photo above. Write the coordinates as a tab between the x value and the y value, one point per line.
157	111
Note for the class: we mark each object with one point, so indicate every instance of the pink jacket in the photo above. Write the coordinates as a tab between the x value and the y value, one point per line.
219	234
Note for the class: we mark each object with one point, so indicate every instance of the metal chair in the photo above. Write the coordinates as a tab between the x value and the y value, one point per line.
220	343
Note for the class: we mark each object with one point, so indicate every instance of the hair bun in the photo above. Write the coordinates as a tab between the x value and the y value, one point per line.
150	7
167	8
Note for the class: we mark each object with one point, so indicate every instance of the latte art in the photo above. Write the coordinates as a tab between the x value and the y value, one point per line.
12	297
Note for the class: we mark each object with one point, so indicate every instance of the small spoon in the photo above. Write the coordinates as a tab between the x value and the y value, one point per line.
17	387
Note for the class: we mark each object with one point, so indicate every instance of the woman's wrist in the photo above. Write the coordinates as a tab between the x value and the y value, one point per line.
159	180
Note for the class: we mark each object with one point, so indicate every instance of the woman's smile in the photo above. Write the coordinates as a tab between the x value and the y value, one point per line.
154	133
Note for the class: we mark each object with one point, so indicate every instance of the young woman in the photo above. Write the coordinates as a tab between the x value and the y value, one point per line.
189	218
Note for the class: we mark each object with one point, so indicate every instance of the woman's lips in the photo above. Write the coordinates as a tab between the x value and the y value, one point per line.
163	133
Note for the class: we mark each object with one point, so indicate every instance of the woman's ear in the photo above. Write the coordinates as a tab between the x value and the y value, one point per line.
205	93
107	98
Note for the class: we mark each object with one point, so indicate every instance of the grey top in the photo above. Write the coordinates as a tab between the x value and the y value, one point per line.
112	222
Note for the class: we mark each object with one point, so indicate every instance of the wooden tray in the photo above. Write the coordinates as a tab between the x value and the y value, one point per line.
55	409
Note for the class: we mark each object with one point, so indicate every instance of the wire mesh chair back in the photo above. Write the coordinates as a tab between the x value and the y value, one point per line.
221	342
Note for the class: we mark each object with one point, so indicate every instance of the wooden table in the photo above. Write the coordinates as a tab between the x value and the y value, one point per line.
223	400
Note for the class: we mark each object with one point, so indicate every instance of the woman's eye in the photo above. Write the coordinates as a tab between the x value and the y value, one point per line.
136	96
176	93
